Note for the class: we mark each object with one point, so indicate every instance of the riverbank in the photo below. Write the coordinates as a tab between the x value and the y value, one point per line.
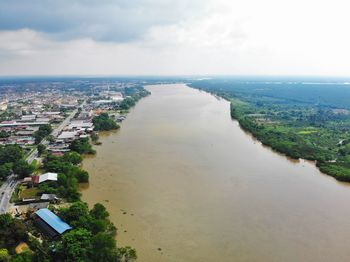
278	141
298	130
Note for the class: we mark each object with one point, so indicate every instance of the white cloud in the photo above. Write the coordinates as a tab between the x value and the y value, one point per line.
224	37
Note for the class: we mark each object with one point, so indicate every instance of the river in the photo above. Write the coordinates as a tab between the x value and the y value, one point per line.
183	182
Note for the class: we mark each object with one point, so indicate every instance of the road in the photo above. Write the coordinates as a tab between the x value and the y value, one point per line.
55	133
10	184
6	190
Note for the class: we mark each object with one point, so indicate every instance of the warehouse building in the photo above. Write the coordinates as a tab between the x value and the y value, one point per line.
50	224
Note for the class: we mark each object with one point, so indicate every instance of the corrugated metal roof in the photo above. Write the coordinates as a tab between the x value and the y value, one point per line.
48	176
53	221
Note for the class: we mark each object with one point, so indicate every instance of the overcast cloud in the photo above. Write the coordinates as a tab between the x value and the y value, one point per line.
165	37
106	20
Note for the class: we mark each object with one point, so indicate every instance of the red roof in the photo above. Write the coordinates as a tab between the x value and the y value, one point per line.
35	179
57	153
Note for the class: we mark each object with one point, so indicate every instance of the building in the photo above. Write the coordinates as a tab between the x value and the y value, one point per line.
80	125
49	197
116	96
49	223
3	105
25	124
43	119
44	177
85	114
100	102
50	113
68	136
25	133
26	118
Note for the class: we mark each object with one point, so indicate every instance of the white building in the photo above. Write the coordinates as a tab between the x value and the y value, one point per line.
28	117
80	125
44	177
68	135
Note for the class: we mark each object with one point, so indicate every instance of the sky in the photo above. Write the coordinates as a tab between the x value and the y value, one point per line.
175	37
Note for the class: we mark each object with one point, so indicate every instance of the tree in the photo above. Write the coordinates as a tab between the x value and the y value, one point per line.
25	256
94	137
5	170
4	134
44	130
127	103
81	175
10	154
103	122
68	176
92	238
76	246
127	253
73	157
75	211
12	231
104	247
22	168
41	149
50	138
4	255
99	211
82	146
5	221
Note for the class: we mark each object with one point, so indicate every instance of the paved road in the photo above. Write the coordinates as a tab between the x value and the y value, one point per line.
55	133
6	192
10	184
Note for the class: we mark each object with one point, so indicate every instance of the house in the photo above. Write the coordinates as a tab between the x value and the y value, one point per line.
25	133
100	102
80	125
46	113
85	114
24	140
27	180
44	177
68	106
26	118
57	153
49	197
49	223
43	120
68	135
23	124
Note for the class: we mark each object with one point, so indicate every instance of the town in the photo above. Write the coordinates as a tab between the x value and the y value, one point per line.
46	127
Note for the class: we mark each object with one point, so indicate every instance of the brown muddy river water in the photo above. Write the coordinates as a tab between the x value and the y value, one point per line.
183	182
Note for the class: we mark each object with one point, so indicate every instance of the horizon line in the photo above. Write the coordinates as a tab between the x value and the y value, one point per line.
169	76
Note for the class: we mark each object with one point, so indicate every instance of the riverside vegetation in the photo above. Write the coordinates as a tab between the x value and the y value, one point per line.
298	117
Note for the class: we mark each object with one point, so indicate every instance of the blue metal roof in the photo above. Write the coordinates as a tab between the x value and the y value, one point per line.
53	221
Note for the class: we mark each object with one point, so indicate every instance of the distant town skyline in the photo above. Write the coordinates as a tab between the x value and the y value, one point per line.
167	37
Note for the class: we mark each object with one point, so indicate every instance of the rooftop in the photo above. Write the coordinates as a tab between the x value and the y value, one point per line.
44	177
53	221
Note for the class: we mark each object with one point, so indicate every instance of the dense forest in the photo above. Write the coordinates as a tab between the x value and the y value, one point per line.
300	118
